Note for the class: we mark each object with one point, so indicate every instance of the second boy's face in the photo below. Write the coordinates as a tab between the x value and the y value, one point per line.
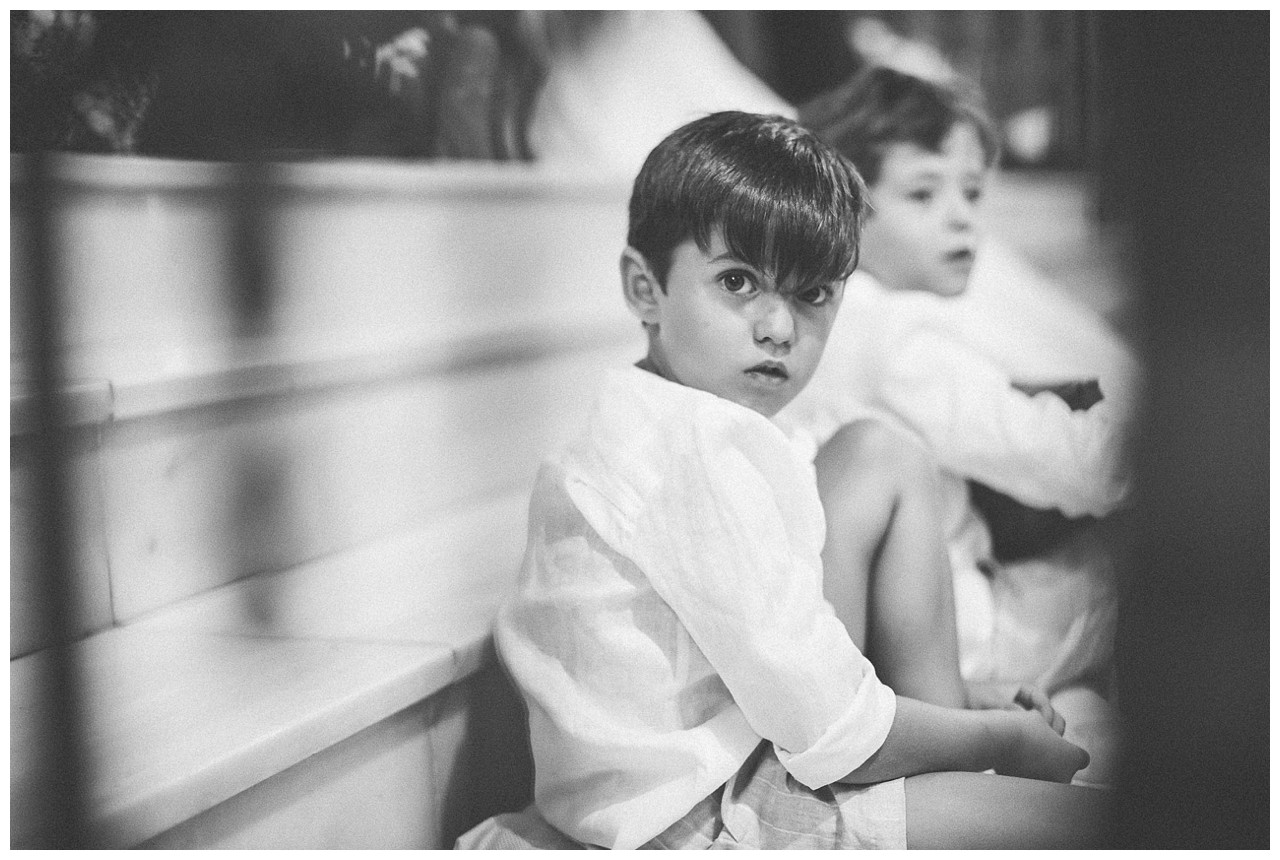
923	230
725	327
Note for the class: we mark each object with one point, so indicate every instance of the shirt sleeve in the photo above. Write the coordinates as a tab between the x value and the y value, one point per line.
1031	447
731	540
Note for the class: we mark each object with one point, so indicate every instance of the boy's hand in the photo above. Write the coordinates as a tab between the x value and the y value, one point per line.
993	696
1030	748
1033	699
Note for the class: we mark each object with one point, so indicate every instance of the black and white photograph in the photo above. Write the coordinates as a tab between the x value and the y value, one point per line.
639	429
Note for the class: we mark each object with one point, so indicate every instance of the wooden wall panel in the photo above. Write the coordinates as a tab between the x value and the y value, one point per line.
362	256
198	499
28	628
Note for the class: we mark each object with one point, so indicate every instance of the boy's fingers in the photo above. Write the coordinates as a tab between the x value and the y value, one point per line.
1034	700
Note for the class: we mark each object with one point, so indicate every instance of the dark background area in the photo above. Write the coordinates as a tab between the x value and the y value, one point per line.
306	84
1186	164
1019	59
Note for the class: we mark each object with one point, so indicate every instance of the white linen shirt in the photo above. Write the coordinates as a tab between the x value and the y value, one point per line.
928	362
945	368
670	615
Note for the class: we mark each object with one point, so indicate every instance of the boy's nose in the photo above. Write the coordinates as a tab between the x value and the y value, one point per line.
774	324
961	212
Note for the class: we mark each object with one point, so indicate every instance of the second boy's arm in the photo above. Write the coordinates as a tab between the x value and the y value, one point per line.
926	738
1034	448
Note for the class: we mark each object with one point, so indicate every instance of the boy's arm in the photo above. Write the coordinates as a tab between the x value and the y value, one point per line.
1034	448
731	540
926	738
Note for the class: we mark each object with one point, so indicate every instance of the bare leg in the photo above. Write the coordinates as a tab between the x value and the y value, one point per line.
886	567
978	810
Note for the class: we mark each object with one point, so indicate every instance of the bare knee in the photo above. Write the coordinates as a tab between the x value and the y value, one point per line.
869	474
872	459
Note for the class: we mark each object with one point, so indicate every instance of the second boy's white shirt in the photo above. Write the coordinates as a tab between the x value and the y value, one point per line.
905	353
670	615
944	368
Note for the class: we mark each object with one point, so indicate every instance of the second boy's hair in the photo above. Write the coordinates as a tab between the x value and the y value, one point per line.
787	203
879	106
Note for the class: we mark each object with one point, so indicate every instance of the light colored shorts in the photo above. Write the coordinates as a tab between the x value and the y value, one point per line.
764	807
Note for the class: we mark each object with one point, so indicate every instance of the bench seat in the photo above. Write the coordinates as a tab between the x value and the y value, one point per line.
199	702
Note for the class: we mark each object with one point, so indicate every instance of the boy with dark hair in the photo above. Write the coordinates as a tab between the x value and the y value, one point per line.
881	107
687	683
966	378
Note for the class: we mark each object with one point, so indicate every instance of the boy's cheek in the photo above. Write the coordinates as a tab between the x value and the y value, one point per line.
818	347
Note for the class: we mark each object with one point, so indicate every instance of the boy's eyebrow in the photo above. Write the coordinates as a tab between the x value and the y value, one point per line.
928	175
729	256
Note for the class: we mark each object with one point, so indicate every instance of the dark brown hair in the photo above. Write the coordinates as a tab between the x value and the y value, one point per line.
787	203
879	106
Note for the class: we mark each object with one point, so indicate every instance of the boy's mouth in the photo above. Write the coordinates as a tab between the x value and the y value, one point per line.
769	370
960	256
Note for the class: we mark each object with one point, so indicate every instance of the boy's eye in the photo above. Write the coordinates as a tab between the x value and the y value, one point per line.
737	283
921	195
816	296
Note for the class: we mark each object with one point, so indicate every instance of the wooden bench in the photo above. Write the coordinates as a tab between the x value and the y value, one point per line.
291	548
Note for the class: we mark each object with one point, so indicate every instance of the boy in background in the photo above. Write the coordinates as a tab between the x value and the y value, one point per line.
1032	454
688	684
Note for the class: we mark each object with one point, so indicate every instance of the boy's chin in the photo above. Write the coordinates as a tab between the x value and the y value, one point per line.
949	287
768	408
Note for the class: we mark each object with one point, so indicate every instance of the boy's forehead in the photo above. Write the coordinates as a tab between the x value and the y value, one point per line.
905	158
961	142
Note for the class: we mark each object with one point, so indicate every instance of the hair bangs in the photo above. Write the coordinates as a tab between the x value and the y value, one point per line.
789	222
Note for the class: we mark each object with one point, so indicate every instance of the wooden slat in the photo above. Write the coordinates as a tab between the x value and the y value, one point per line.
179	722
363	257
441	583
202	498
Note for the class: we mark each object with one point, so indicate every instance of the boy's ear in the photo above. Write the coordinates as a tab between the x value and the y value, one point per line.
639	286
